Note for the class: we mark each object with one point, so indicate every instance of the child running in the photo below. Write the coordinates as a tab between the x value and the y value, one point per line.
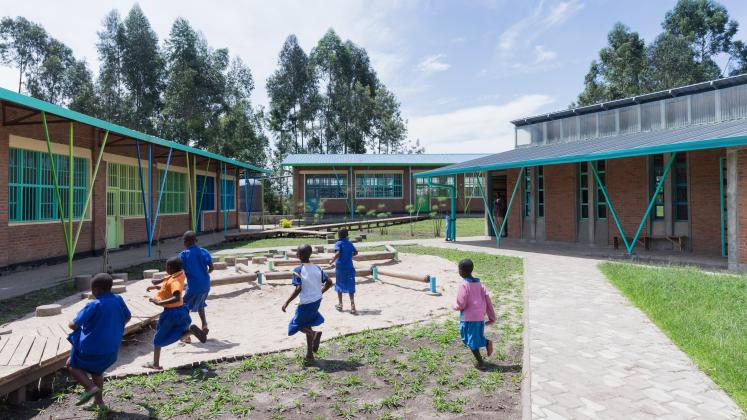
174	322
344	270
473	302
197	266
308	279
97	334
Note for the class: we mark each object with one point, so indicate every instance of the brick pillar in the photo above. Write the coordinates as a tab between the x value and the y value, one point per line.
736	202
4	149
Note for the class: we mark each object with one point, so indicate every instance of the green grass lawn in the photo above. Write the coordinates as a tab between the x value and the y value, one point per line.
417	370
705	315
423	229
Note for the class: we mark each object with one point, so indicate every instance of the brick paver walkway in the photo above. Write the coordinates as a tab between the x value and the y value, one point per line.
593	355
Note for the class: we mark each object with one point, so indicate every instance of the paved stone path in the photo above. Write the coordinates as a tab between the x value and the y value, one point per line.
593	355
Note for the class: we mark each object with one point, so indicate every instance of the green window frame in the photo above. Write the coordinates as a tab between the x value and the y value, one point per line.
527	192
326	186
227	194
127	179
601	202
443	180
379	185
679	193
174	195
472	185
583	191
657	171
540	191
31	194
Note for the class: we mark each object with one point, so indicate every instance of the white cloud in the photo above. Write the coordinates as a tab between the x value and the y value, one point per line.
529	28
474	129
542	54
433	64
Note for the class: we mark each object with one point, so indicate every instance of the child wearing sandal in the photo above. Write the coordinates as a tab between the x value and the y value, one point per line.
308	279
198	264
473	302
344	270
97	334
174	322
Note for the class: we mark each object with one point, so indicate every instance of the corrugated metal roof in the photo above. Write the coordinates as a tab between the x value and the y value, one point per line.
699	137
318	159
49	108
648	97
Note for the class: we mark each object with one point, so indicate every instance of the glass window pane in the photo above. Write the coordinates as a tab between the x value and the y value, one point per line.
651	116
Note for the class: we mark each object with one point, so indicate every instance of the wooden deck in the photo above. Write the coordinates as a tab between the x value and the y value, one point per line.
31	352
321	231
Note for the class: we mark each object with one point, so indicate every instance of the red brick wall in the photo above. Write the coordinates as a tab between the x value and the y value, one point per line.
742	204
627	186
4	250
705	204
560	202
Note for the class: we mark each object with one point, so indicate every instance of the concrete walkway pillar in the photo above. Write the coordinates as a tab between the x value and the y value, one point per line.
733	199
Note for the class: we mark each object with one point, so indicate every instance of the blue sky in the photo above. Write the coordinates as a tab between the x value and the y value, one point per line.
462	69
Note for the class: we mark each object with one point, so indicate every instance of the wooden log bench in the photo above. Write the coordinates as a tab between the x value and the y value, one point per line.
679	241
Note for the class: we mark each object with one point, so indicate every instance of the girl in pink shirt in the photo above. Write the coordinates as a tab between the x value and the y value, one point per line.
473	302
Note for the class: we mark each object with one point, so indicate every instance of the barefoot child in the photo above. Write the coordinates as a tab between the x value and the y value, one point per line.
197	266
308	279
473	302
174	322
344	270
97	334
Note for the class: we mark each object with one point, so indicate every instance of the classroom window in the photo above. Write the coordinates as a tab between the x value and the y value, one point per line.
31	194
583	190
527	192
540	191
206	190
657	172
227	194
680	187
472	184
601	201
174	198
437	192
125	181
378	185
326	186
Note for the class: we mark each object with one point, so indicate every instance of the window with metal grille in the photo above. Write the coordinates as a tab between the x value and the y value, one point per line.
378	185
472	185
657	172
206	189
31	194
527	192
126	179
227	194
583	190
601	201
679	195
540	191
327	185
174	198
442	192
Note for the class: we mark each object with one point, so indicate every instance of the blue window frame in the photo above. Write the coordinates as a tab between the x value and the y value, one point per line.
599	195
378	185
679	196
583	191
326	186
657	172
208	195
540	191
228	194
527	192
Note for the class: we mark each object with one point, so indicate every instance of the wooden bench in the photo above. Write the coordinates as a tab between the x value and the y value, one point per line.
679	241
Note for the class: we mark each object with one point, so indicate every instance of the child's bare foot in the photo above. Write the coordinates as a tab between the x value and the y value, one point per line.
480	366
339	308
186	340
200	334
317	340
151	365
489	348
309	357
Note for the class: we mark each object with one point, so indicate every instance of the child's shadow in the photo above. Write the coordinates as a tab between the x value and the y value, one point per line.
210	346
493	367
228	295
369	312
335	365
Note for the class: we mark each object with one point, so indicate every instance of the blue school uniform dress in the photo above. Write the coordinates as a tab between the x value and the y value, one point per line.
310	277
100	326
195	261
344	270
174	320
472	333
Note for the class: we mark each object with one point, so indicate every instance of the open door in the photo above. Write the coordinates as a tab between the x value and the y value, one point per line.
113	219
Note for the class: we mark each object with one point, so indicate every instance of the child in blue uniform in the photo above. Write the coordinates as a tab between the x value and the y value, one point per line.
344	270
97	334
197	265
308	279
174	322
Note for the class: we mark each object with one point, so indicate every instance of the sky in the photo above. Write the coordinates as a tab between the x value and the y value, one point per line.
462	69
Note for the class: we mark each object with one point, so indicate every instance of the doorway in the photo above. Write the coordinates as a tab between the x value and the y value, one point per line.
114	231
496	188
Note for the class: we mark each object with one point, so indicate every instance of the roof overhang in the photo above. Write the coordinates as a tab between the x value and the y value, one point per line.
712	136
13	98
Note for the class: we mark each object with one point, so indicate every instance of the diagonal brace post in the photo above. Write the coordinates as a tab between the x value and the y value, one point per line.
508	208
90	190
160	195
488	210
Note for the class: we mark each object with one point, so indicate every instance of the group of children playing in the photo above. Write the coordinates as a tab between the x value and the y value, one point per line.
98	327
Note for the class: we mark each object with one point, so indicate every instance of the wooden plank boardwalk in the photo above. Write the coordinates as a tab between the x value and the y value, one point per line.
37	347
321	231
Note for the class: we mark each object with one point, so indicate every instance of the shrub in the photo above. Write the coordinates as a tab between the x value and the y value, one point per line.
285	223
